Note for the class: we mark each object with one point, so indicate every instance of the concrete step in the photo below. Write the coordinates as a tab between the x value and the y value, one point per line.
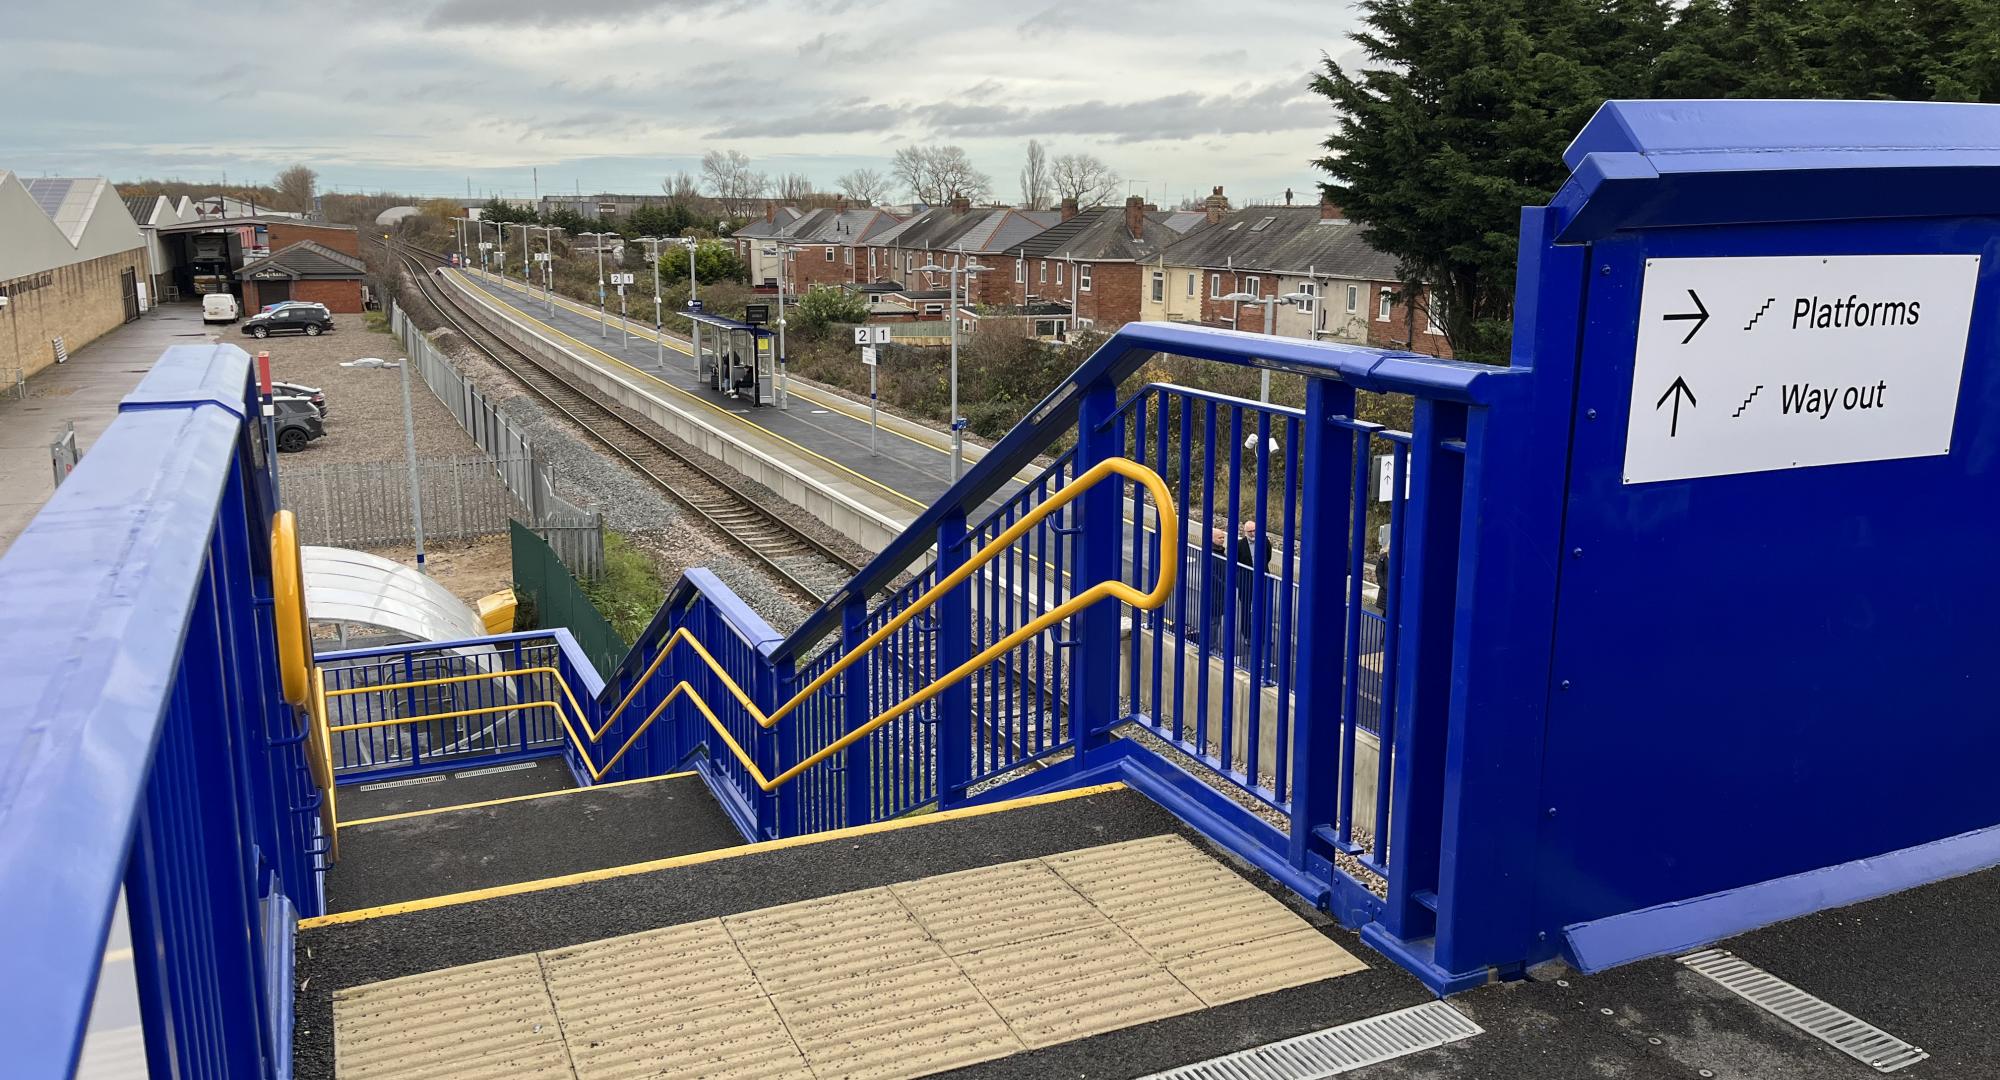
1083	933
412	855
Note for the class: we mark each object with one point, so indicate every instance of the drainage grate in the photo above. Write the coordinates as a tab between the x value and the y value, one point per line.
1338	1049
489	770
1849	1034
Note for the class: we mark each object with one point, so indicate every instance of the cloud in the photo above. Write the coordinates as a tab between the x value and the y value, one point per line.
841	120
1049	22
820	44
1279	106
569	12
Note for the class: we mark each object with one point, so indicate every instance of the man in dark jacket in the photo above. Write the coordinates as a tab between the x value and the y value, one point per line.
1253	565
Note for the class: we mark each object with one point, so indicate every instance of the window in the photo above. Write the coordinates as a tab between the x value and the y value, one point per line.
1190	286
933	309
1431	320
1353	299
1310	290
1159	287
1262	224
848	251
829	253
1083	277
1382	302
1045	272
909	263
1253	286
1215	286
871	260
1020	271
1059	273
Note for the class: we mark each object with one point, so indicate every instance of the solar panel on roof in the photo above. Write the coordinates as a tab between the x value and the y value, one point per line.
1262	224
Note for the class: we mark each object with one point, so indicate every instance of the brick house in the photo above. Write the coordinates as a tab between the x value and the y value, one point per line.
951	236
823	246
753	240
1091	261
306	270
1342	288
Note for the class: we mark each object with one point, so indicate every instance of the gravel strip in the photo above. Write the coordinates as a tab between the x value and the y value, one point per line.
364	420
586	474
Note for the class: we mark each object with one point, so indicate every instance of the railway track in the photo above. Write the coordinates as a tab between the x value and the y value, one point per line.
794	557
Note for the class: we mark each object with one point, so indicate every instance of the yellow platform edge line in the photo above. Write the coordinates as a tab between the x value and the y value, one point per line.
512	799
685	348
431	903
762	432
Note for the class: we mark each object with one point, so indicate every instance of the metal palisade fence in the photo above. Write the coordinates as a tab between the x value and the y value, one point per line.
474	496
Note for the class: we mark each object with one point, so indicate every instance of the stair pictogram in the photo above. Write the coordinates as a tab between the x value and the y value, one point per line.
1746	401
1760	314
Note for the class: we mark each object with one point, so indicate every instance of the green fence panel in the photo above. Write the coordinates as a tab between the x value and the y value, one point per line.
542	580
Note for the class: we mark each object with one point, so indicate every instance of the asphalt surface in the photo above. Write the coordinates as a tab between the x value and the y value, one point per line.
335	957
473	784
918	471
448	851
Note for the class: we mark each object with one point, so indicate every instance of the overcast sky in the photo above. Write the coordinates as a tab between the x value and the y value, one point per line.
424	95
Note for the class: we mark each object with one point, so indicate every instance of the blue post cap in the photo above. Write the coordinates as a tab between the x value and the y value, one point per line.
1675	164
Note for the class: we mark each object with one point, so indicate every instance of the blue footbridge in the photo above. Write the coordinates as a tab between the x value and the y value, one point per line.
1684	636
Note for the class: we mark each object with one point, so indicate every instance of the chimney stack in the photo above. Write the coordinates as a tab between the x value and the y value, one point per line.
1217	205
961	205
1135	216
1330	210
770	211
1068	209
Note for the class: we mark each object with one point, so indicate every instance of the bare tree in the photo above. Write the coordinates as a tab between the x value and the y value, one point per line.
729	178
681	187
864	186
939	174
1036	186
1084	178
795	187
295	186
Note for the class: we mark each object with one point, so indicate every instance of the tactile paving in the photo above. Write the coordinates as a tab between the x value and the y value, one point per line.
882	984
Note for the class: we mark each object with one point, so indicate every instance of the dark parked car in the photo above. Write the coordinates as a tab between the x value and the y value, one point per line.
311	321
297	421
311	393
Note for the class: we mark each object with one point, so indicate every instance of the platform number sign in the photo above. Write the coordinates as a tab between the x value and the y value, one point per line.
1755	364
621	279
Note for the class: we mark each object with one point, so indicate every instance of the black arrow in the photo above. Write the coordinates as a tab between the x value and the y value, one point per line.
1678	388
1699	315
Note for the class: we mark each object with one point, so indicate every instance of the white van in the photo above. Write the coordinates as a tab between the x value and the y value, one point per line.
220	307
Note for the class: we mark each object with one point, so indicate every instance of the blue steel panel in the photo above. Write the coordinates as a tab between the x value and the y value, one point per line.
1656	164
188	375
78	734
1747	655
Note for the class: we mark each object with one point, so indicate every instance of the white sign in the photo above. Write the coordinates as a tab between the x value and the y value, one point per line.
882	335
621	279
621	290
868	355
861	336
541	256
872	335
1385	477
1753	364
486	245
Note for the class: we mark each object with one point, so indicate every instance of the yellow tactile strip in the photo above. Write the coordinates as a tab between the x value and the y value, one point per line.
884	983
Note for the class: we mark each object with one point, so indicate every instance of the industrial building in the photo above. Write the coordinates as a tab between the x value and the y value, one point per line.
228	254
72	266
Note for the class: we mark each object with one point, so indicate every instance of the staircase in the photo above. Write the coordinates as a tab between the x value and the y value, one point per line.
1048	936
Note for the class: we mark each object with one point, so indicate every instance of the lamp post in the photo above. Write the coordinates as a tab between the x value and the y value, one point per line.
548	265
409	445
1270	325
603	318
965	270
527	259
784	369
659	327
694	331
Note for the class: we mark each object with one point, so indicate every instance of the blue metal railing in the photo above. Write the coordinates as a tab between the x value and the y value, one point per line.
146	746
1274	671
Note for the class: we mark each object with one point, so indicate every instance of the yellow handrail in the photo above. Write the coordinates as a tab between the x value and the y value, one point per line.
1169	533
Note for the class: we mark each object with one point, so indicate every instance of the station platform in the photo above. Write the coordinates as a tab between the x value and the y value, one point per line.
84	391
823	436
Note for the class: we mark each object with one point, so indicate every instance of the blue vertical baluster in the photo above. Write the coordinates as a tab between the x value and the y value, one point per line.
1386	725
1232	573
1325	467
1350	661
953	613
1287	720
